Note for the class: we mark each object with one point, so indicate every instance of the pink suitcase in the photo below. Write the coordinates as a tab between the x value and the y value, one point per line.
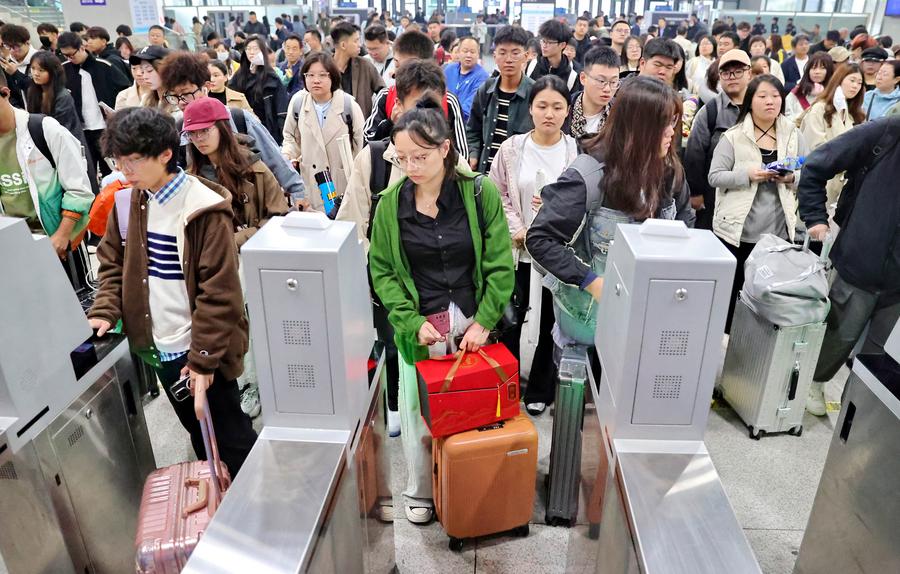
177	504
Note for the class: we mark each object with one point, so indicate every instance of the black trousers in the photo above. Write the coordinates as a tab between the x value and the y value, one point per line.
95	154
541	386
741	254
234	431
386	336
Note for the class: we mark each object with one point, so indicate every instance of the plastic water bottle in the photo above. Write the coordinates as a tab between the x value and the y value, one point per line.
786	165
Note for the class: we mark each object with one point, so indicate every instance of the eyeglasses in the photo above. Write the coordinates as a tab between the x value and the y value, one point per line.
11	46
603	82
129	165
70	56
733	74
548	42
200	135
414	161
187	98
321	76
510	56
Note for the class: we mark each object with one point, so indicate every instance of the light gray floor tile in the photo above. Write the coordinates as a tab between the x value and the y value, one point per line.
776	550
424	550
772	482
171	443
543	551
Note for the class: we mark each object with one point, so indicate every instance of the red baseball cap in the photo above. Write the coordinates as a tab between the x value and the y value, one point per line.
201	114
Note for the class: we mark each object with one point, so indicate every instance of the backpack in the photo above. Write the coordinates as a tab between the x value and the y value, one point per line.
36	131
570	82
379	176
346	114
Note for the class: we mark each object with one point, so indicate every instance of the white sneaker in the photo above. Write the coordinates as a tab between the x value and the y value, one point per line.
815	402
535	409
393	423
250	401
419	514
385	512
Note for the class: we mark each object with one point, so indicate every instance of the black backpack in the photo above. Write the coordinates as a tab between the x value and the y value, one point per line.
378	177
36	131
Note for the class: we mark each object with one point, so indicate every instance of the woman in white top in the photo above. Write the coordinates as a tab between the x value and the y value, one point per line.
816	76
322	113
523	165
697	66
834	112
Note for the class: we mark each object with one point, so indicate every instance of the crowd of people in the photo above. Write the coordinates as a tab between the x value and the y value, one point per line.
469	178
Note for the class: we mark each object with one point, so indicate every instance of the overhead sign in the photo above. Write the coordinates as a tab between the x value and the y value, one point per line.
535	13
144	13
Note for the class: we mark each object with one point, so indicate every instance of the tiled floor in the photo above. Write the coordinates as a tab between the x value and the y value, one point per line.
771	484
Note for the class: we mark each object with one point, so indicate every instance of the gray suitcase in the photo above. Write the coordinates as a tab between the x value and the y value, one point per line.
768	370
565	449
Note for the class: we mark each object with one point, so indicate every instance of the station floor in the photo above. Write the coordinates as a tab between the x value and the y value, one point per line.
771	484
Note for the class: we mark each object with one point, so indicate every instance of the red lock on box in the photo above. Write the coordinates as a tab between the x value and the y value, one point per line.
468	390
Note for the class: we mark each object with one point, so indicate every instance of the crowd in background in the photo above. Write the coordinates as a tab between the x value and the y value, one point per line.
440	142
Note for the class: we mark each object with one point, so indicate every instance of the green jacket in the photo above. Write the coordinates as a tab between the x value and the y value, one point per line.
494	271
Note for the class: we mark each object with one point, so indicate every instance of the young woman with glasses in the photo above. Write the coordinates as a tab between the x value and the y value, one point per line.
216	154
443	271
311	136
752	200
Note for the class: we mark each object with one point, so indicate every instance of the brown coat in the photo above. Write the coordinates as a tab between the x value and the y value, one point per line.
219	336
366	83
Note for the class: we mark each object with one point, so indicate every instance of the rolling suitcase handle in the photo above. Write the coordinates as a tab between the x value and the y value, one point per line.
795	379
212	454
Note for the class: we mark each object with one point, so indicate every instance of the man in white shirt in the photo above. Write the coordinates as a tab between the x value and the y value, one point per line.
380	53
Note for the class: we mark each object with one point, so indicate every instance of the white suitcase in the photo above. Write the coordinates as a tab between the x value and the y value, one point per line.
768	370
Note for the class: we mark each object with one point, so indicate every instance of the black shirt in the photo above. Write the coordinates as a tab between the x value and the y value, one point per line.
347	79
219	96
440	251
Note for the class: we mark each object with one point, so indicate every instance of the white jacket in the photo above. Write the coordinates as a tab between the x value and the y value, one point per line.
816	131
318	146
735	155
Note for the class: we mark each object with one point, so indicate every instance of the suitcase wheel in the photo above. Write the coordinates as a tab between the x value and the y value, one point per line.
756	434
456	544
796	431
521	531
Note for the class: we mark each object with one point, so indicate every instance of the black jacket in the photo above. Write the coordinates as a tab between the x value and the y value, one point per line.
111	55
483	118
108	81
255	28
561	220
791	73
867	250
270	106
564	72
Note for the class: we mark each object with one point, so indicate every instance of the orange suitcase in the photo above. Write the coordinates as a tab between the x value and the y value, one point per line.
484	480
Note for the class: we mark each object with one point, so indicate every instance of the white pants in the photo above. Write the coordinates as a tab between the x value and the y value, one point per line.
413	430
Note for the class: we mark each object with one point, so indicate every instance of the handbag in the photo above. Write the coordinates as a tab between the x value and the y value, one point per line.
786	284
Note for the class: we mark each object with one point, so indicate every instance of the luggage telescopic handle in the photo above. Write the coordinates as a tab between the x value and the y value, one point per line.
212	453
795	378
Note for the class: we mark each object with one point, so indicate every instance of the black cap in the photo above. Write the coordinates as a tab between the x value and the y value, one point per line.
148	54
875	54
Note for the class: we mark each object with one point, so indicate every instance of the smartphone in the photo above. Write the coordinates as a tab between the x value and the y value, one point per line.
181	389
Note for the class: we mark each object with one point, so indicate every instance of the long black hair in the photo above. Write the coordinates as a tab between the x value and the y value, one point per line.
42	99
428	127
243	76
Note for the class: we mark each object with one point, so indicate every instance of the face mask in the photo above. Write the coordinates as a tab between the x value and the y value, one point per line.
257	60
45	42
222	56
840	100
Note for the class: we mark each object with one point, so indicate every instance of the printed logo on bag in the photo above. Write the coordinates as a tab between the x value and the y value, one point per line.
765	272
469	361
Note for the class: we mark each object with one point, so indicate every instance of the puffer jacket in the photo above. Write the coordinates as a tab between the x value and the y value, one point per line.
735	155
877	105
